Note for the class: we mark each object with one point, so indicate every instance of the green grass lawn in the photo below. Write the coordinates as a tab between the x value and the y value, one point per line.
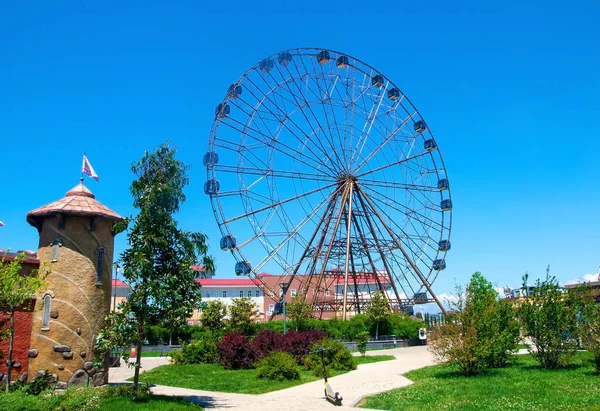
212	377
146	354
523	386
372	358
147	402
75	399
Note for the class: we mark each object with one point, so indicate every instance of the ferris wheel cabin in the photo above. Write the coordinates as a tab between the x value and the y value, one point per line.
210	159
342	62
323	57
211	187
420	126
443	184
228	243
444	245
430	145
446	205
242	268
439	265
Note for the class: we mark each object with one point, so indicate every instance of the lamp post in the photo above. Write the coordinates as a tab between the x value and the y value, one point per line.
284	288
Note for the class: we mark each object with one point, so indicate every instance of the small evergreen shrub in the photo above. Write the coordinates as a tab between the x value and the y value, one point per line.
336	357
235	351
278	366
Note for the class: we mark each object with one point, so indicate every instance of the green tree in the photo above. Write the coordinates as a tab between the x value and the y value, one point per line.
378	310
480	331
589	320
299	310
15	290
549	318
362	340
241	314
213	314
159	258
117	336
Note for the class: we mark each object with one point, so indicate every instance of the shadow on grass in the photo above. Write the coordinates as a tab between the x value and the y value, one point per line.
207	401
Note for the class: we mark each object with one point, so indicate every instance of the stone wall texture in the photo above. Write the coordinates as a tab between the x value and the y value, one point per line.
78	306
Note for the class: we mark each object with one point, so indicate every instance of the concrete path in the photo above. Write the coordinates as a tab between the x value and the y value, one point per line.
123	373
368	379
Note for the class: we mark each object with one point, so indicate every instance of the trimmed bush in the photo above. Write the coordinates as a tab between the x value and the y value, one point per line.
403	326
300	344
235	351
337	357
278	366
266	342
201	351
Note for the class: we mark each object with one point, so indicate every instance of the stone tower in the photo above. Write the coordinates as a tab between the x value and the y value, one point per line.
76	249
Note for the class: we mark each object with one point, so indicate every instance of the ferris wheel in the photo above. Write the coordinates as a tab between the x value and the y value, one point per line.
321	171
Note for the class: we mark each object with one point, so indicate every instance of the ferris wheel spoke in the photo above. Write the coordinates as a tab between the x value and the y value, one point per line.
328	98
366	131
271	172
422	279
382	145
277	145
329	138
279	203
409	213
297	229
286	119
403	186
401	161
289	119
409	238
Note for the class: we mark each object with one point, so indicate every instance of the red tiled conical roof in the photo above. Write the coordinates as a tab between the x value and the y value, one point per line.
78	201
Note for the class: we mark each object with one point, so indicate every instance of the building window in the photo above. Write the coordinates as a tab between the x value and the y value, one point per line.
271	308
224	293
249	294
293	293
47	297
208	294
257	293
241	293
100	259
327	292
55	244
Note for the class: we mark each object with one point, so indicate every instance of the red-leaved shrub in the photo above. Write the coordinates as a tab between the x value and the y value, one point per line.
267	341
300	343
235	351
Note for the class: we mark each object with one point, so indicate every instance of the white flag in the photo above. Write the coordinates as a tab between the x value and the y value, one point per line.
1	224
87	168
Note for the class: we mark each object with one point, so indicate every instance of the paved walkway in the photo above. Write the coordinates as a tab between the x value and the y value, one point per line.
368	379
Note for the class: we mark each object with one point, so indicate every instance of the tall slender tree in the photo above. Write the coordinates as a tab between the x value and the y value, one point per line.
15	290
158	262
378	310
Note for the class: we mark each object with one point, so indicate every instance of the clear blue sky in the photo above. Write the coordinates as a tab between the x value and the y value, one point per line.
510	91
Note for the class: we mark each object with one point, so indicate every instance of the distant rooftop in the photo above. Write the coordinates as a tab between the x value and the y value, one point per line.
30	256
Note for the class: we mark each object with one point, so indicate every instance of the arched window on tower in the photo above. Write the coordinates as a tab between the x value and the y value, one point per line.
100	259
56	243
47	297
